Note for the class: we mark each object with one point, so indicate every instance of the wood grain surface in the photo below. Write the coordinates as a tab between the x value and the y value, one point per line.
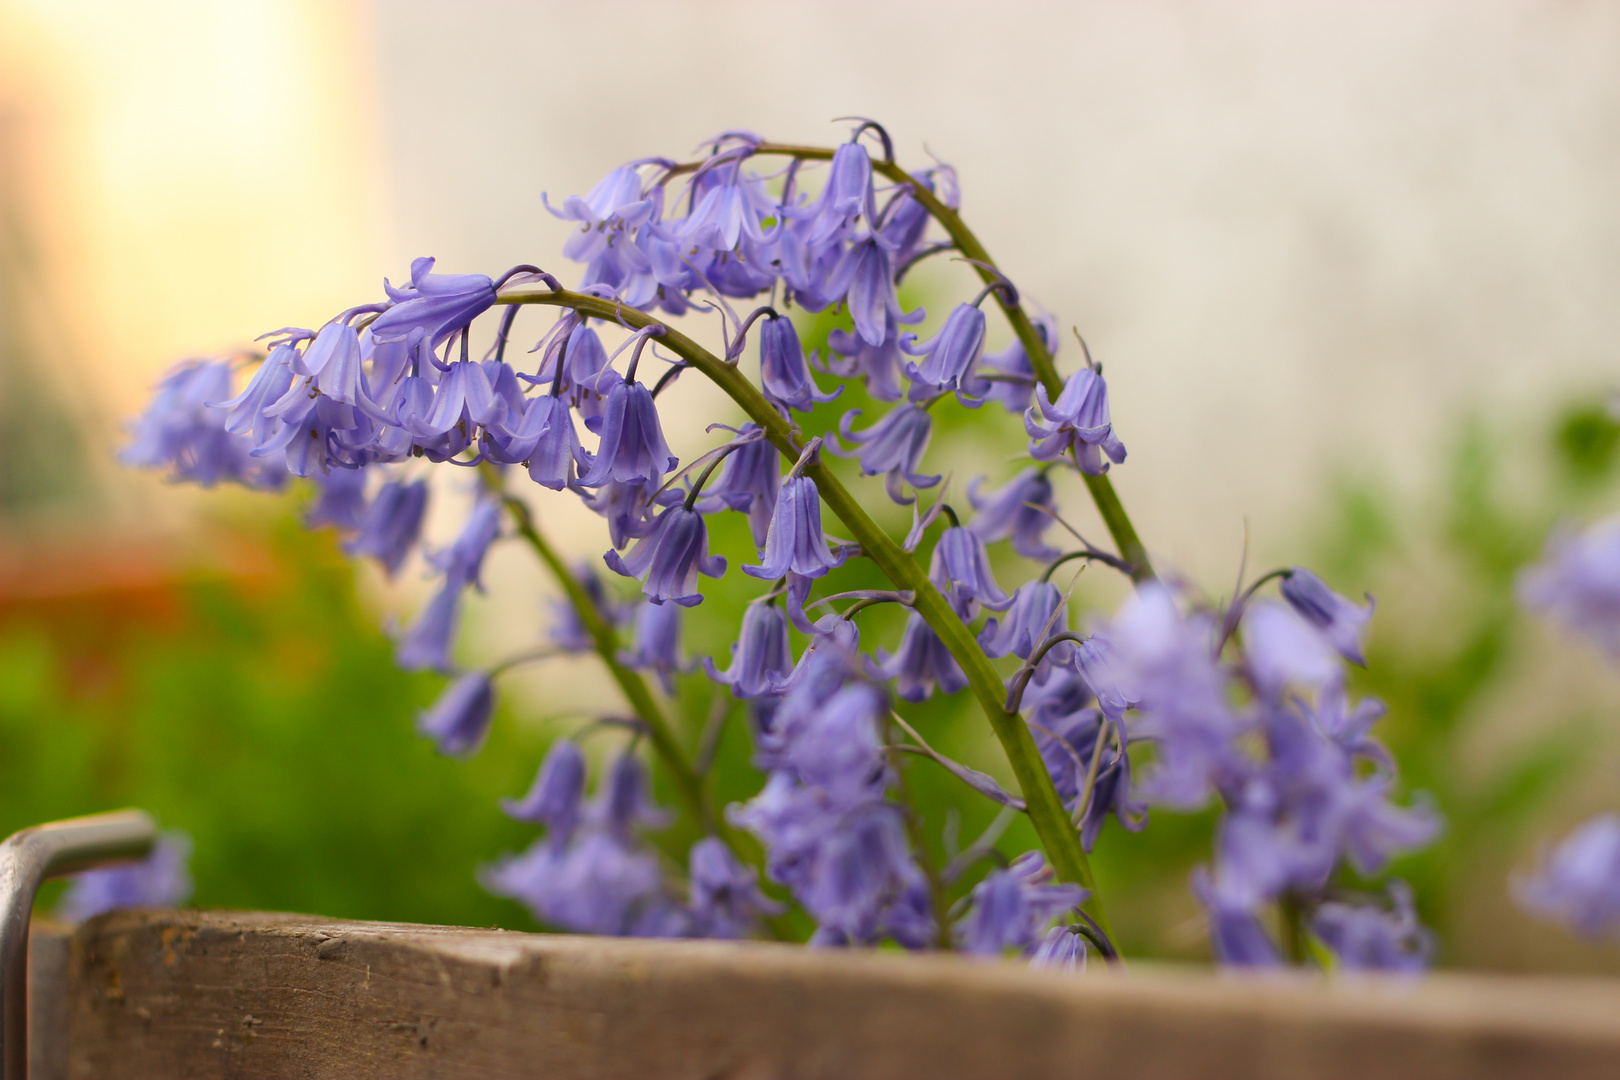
247	996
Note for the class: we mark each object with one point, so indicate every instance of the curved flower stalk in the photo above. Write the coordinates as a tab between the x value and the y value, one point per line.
357	406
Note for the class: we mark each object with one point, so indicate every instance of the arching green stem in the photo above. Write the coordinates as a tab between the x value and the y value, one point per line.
1045	808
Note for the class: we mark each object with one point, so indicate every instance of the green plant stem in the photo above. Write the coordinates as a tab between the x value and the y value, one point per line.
936	886
1292	917
1045	808
1101	488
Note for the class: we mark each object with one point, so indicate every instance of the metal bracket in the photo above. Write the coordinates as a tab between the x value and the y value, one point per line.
27	858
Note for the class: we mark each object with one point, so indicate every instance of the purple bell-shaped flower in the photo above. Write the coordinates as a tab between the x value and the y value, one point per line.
1078	421
669	558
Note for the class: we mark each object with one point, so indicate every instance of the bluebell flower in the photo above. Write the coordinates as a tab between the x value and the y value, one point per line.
567	631
725	895
1067	742
1580	883
879	364
894	446
960	567
795	542
1577	582
949	358
847	198
748	481
459	720
1366	937
1008	511
1161	662
1061	950
1339	620
556	799
784	374
464	558
597	885
614	206
865	278
1347	725
727	205
632	448
438	305
161	880
392	524
332	360
656	646
340	500
1284	651
905	220
245	412
183	432
668	559
1078	421
628	508
839	751
624	798
426	645
1234	932
1011	907
860	868
761	657
921	663
1015	381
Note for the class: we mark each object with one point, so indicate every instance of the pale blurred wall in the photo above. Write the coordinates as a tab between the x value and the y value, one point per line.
1298	235
195	173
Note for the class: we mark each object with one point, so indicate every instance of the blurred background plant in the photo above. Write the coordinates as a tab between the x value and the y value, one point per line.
1395	248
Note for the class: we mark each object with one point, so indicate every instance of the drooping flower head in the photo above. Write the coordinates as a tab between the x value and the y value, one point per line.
669	558
556	799
725	895
960	567
1577	582
657	643
795	542
1580	883
1011	907
921	663
784	374
184	432
434	306
1078	421
1009	511
1339	620
459	720
847	198
893	447
1367	937
748	481
949	358
391	524
632	449
761	657
162	879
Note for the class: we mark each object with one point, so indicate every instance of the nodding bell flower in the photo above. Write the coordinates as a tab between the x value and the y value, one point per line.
1010	511
1577	582
1367	937
613	207
878	365
333	361
184	432
1339	620
1580	883
725	894
1284	651
761	657
921	663
668	559
1029	622
438	305
426	645
391	524
784	374
597	885
748	481
162	879
340	500
1062	949
624	799
657	643
949	358
542	439
1235	933
632	449
847	197
865	279
628	508
459	720
269	385
556	798
795	542
1010	907
464	558
1079	421
893	446
568	631
961	569
727	205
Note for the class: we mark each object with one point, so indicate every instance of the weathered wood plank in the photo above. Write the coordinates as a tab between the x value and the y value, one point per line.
250	996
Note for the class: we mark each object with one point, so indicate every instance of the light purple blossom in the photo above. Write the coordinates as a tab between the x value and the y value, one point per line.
784	374
1078	421
162	879
761	657
632	448
459	720
960	567
1284	651
921	663
599	884
1061	950
949	358
340	500
183	432
614	206
1009	512
1367	937
795	542
1339	620
1579	884
426	645
556	799
1577	582
894	447
748	481
1010	907
1029	621
391	524
437	305
1017	374
657	643
624	798
669	558
725	895
878	364
846	198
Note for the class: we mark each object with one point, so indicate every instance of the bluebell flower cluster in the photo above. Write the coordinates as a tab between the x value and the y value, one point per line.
1151	709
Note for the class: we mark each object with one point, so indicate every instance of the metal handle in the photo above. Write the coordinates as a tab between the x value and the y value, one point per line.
27	858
